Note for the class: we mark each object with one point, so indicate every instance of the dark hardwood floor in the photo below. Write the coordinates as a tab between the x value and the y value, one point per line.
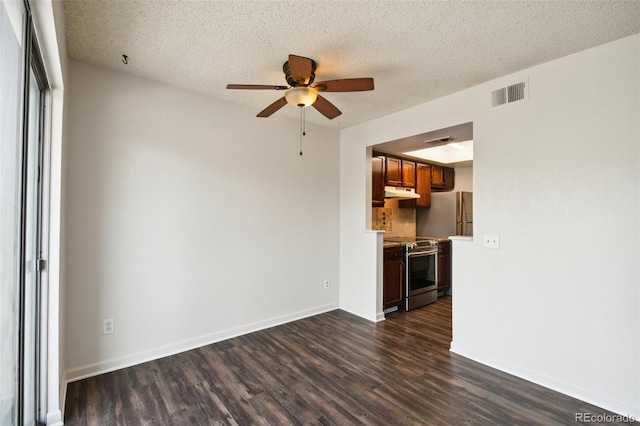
330	369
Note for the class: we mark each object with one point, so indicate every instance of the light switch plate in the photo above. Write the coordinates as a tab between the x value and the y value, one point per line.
492	241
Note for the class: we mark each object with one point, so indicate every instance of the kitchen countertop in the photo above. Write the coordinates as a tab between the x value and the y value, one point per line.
401	241
438	239
389	244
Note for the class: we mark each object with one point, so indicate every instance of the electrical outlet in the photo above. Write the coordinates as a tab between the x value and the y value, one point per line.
326	284
492	241
108	326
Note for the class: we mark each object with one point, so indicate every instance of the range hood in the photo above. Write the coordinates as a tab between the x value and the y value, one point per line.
399	192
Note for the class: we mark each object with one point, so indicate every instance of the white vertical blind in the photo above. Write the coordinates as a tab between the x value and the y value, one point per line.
12	18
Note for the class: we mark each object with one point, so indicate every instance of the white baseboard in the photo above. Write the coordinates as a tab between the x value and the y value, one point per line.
54	418
586	395
106	366
63	395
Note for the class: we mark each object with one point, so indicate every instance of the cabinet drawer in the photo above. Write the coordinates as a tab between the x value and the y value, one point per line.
393	253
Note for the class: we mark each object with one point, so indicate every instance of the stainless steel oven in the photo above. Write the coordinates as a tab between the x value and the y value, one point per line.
421	269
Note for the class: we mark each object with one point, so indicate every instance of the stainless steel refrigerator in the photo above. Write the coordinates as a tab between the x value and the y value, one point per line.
451	213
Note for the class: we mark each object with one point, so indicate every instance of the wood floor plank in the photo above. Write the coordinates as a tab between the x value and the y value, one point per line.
330	369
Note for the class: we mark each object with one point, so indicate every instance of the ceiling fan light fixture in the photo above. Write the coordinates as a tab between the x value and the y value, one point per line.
302	97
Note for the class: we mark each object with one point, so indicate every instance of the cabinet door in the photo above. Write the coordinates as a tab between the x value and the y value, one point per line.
423	188
437	176
442	178
444	266
423	185
377	181
449	178
393	277
408	174
393	171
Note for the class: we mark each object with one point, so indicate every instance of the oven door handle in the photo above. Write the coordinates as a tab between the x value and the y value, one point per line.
422	253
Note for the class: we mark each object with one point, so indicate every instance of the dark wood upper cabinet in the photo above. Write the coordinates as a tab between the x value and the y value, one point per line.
423	188
449	178
442	178
408	174
393	171
377	181
437	176
424	177
423	185
400	172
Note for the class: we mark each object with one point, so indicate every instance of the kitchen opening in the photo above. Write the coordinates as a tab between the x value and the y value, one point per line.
422	194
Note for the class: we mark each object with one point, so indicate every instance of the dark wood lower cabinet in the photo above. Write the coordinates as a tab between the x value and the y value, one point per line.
444	266
393	277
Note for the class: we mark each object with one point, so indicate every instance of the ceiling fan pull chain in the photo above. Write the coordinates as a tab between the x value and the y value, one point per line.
301	127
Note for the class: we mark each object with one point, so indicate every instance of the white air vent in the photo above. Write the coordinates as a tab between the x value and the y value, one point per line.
440	141
513	93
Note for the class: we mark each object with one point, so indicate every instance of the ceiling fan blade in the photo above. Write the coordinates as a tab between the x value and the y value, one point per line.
300	69
345	85
326	108
273	107
256	87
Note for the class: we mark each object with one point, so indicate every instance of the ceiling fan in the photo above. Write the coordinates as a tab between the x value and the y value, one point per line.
301	92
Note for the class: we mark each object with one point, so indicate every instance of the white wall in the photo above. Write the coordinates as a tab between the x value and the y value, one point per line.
464	179
557	178
360	250
189	220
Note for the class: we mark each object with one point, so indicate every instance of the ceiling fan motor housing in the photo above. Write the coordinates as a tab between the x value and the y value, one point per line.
294	83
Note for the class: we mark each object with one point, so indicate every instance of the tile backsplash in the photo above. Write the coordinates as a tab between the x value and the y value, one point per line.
383	219
397	222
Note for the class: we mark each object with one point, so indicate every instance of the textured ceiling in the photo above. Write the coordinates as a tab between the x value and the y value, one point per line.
415	50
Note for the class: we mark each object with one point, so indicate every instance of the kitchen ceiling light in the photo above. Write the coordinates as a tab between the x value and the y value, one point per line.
456	152
301	96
